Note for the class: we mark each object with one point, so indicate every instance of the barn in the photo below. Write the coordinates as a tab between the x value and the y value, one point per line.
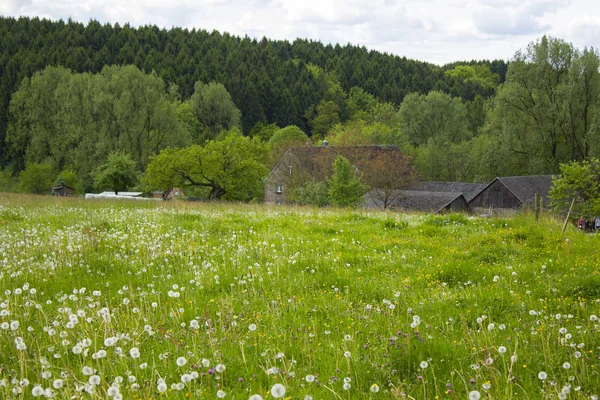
63	190
511	193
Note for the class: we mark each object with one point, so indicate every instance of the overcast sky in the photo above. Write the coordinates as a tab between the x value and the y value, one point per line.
437	31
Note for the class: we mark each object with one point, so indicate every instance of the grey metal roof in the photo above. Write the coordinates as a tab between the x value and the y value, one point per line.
469	190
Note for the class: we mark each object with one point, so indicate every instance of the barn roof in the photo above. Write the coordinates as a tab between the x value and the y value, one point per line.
308	152
469	190
524	187
421	200
62	186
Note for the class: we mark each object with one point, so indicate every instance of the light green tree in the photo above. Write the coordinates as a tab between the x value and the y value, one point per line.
345	188
118	173
75	120
547	111
579	181
69	177
435	116
230	169
215	109
37	179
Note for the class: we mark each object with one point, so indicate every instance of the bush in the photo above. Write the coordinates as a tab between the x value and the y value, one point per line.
312	193
36	179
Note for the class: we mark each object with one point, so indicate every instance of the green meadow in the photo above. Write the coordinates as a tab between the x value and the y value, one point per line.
139	300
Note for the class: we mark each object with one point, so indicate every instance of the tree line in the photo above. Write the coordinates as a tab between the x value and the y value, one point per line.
269	81
178	95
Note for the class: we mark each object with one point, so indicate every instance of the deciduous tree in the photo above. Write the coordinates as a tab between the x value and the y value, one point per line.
118	173
230	169
345	188
579	181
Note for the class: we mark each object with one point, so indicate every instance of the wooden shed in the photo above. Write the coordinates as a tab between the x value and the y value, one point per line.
512	193
174	193
63	190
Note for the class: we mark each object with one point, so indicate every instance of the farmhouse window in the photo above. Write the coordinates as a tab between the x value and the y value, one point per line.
279	188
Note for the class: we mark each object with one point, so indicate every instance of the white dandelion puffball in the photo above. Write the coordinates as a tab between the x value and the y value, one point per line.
374	388
309	378
474	395
221	394
181	361
255	397
278	391
501	349
424	364
37	391
542	375
252	327
134	352
220	368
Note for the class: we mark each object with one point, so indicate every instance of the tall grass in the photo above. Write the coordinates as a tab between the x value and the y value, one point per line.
328	303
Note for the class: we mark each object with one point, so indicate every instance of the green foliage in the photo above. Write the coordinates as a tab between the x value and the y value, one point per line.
322	117
312	193
188	118
345	188
230	169
547	111
287	137
69	177
7	183
37	179
579	181
118	173
436	116
215	109
478	74
75	120
264	132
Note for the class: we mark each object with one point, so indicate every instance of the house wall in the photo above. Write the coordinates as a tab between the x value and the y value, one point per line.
279	176
496	195
64	192
458	205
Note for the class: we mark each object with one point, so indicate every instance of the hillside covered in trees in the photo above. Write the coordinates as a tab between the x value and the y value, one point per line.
72	94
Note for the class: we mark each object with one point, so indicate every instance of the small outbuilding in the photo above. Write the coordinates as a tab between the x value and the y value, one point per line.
509	193
63	190
174	193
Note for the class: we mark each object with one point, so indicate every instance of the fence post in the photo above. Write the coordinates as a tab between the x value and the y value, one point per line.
537	206
568	215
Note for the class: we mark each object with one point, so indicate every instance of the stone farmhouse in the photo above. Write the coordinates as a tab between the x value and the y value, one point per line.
301	164
503	194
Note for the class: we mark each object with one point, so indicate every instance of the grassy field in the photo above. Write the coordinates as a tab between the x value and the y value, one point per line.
134	300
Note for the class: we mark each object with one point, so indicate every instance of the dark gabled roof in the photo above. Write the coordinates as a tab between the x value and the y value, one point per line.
523	187
62	186
469	190
420	200
313	151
